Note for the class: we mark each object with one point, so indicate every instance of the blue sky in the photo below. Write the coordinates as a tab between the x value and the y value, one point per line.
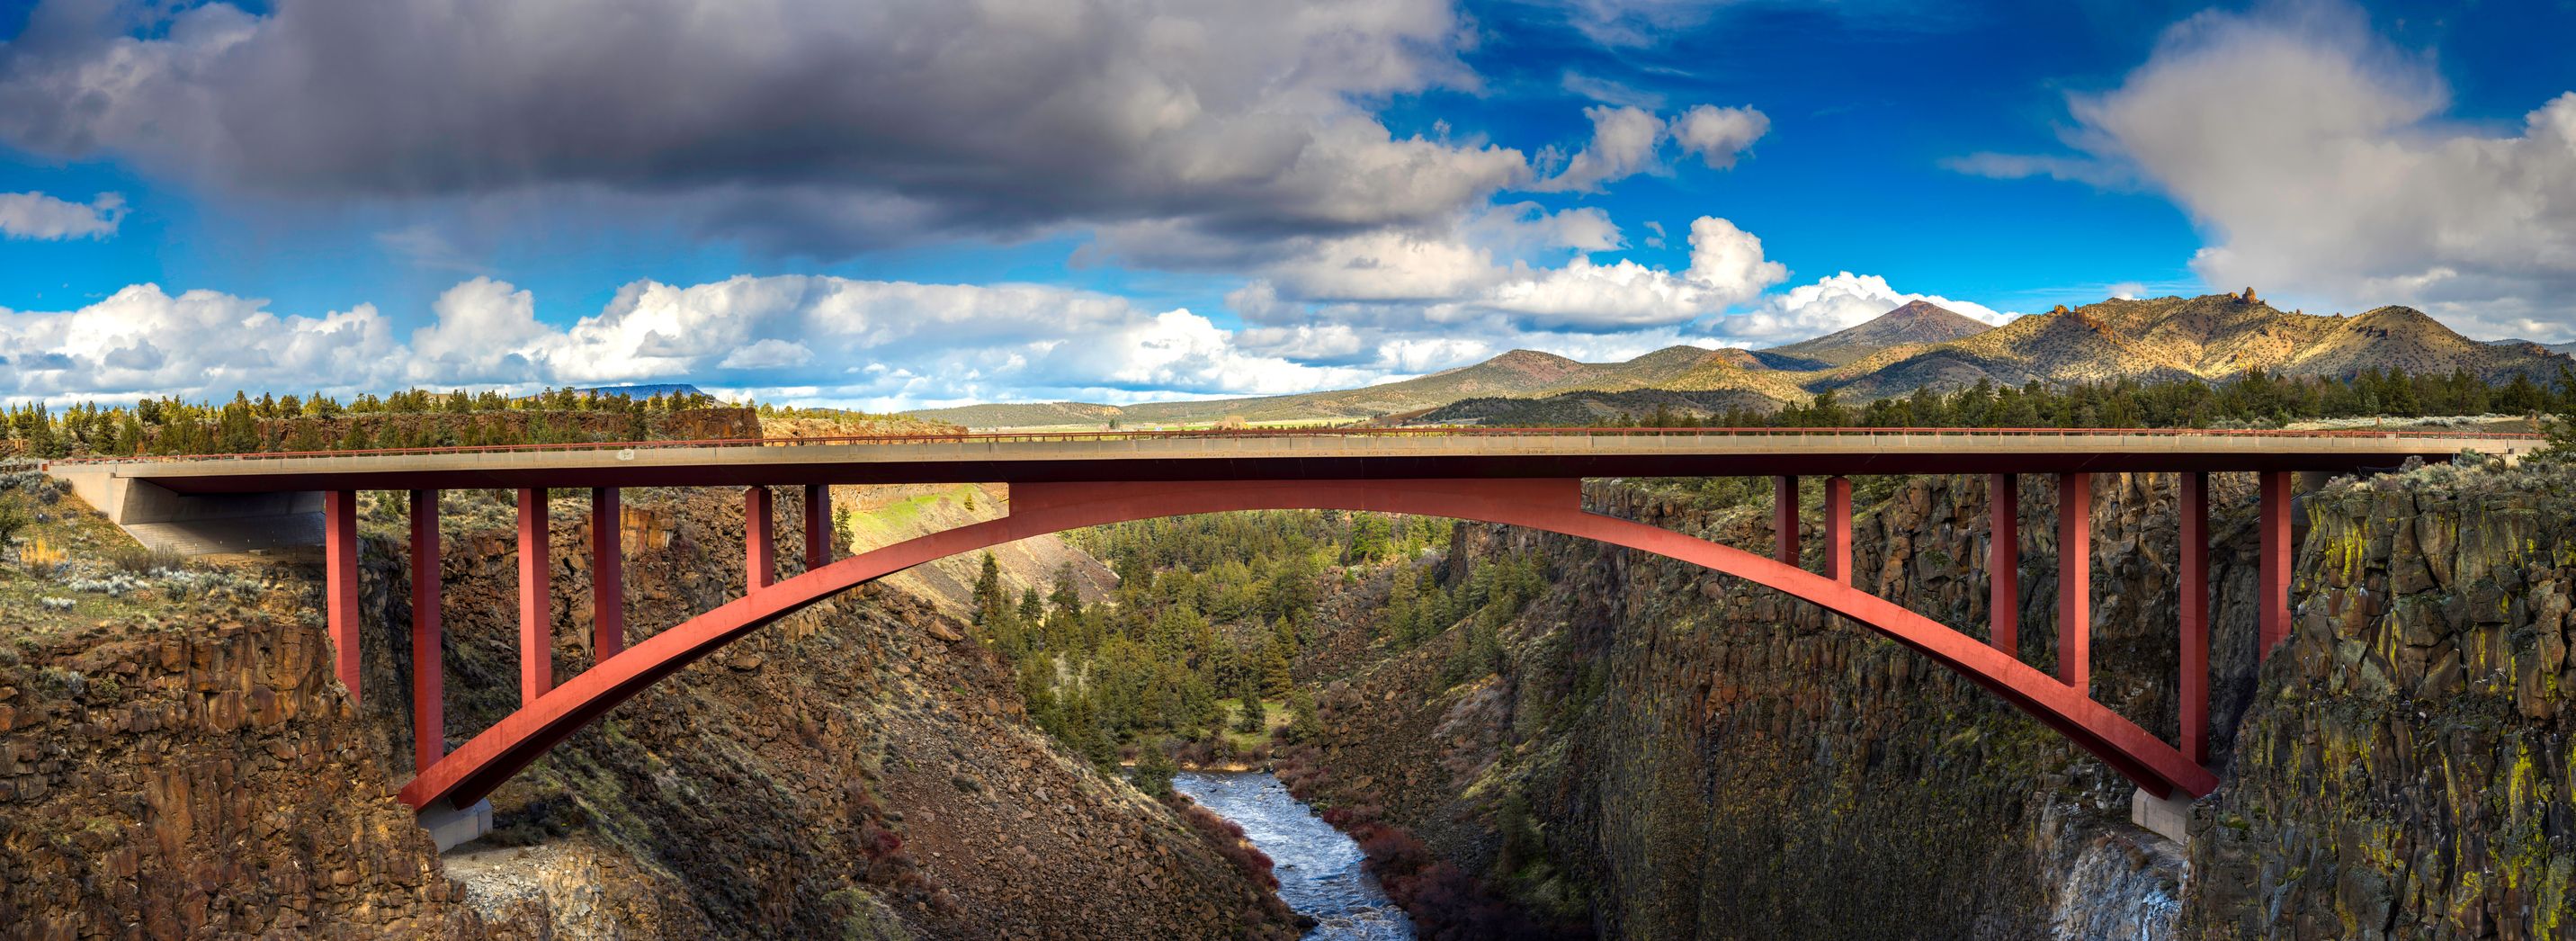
1117	202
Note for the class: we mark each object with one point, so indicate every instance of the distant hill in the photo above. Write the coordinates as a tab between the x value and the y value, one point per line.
2216	336
2562	348
645	391
1918	345
1583	408
1519	374
1916	323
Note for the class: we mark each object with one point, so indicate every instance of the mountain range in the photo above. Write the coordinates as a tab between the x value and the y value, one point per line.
2212	337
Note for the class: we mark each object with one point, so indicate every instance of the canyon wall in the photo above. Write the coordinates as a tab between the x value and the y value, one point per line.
1675	753
2406	772
210	781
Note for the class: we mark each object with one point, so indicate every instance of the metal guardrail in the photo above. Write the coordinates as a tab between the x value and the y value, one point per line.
1319	433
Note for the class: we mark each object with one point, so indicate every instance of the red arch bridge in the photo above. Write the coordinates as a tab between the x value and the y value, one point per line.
1059	481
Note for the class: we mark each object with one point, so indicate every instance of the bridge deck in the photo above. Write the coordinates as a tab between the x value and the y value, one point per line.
1349	454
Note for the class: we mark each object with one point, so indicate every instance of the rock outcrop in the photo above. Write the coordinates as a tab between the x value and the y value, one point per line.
2406	772
206	782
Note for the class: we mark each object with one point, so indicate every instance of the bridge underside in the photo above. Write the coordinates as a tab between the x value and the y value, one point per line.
550	713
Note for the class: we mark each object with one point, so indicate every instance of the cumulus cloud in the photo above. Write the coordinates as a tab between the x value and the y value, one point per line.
38	216
1833	303
1627	140
141	340
1719	135
842	341
1500	289
801	125
2321	162
1728	261
1624	141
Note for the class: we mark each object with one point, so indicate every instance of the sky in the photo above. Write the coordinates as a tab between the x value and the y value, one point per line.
913	203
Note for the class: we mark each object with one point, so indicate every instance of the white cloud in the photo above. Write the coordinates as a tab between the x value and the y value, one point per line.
772	353
1728	261
1600	297
1624	141
2322	164
1719	135
144	341
38	216
485	332
870	343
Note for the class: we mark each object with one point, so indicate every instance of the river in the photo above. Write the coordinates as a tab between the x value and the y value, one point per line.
1318	867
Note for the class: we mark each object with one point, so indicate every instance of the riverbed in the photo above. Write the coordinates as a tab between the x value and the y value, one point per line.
1318	866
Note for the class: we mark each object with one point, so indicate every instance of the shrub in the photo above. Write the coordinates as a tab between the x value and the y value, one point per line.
41	559
1227	838
13	518
1154	770
142	561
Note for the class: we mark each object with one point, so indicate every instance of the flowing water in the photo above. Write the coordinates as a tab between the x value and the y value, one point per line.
1318	867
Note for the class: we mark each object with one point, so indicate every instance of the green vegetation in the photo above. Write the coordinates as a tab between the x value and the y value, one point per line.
1210	612
322	423
2256	398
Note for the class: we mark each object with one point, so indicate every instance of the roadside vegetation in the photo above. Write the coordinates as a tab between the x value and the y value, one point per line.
2256	400
409	419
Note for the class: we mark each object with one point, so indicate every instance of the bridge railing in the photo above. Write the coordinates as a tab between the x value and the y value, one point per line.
1325	432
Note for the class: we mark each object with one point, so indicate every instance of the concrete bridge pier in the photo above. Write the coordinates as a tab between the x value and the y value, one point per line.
195	524
451	826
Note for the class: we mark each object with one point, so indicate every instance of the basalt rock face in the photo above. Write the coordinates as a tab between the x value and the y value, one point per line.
1706	758
859	769
211	782
2407	772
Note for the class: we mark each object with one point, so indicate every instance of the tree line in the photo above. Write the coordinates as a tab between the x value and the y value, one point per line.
172	426
2256	398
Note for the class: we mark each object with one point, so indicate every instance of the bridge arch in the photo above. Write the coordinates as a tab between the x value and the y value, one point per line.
1554	505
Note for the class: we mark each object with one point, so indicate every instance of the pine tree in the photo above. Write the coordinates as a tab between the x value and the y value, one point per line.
1251	716
1275	679
1304	723
988	585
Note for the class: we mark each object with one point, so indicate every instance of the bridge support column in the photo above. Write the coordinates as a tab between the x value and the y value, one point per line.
2075	580
2003	563
340	582
1784	520
1838	529
536	597
2193	507
2273	578
428	666
607	575
759	541
818	526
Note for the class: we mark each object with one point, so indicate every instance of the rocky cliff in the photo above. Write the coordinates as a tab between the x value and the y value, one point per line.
2406	771
205	782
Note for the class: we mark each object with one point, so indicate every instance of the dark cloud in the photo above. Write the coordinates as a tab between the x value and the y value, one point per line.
802	126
